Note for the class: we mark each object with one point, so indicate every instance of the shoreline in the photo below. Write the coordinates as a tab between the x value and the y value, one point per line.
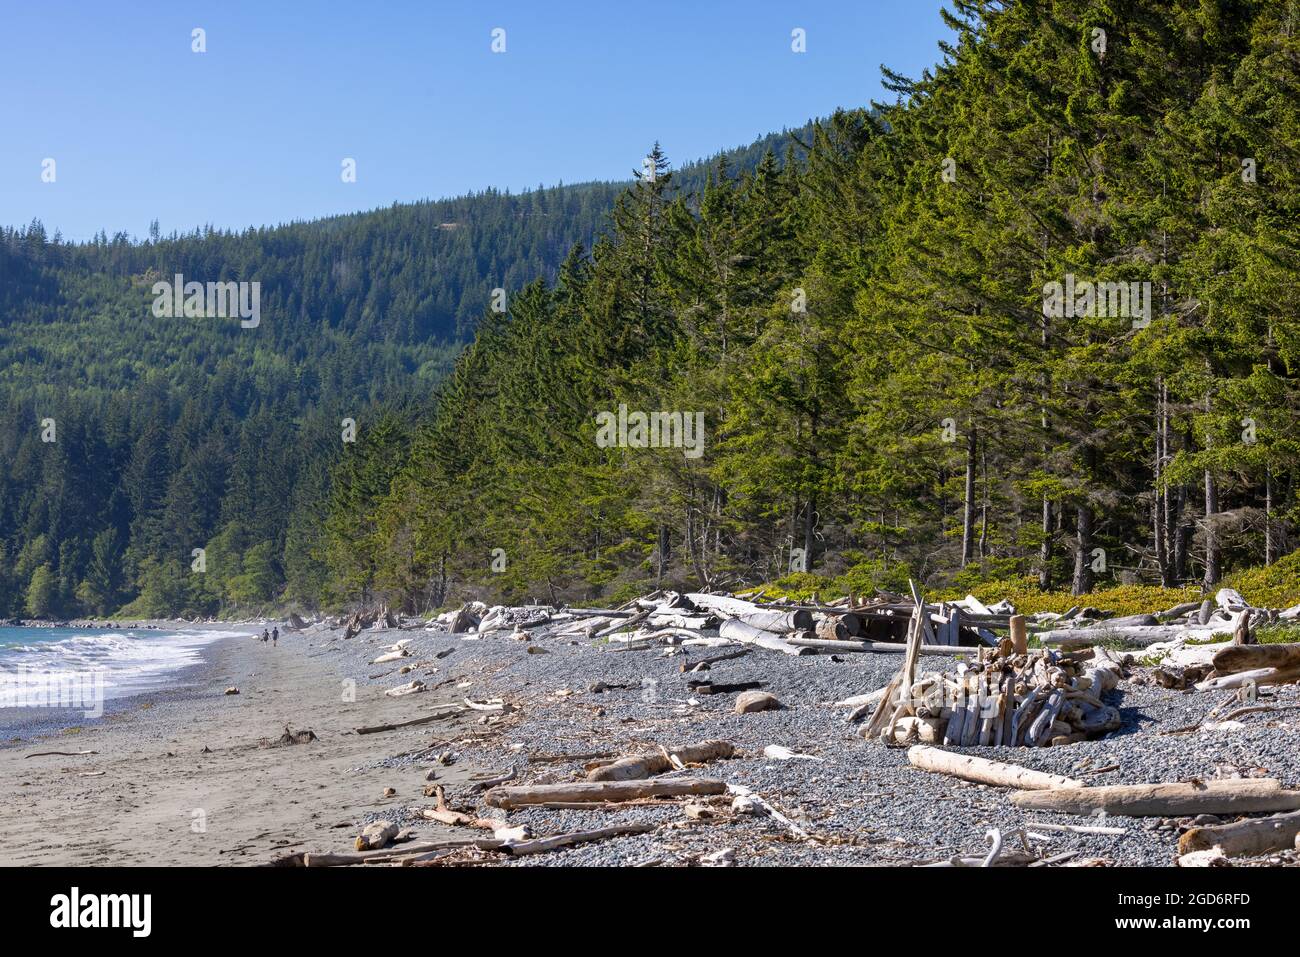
27	723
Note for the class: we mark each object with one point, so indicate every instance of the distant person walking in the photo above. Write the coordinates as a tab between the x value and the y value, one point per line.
265	635
275	635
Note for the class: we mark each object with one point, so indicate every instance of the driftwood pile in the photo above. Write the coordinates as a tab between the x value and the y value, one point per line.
1007	696
707	620
1228	615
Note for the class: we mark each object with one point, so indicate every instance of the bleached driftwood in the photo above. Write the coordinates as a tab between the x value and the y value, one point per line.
971	768
1257	676
634	767
413	687
1249	838
1235	658
596	791
735	630
577	837
1244	796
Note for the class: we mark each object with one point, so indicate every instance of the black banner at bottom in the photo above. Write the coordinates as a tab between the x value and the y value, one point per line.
335	905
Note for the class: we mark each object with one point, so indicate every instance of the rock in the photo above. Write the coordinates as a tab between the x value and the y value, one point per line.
232	690
748	702
390	792
699	812
376	835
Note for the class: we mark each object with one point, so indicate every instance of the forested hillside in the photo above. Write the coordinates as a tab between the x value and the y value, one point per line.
1036	318
127	440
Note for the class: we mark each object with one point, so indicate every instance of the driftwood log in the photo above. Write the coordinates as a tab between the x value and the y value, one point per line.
425	719
554	842
879	647
597	791
1236	658
1256	676
736	630
1245	796
970	768
1249	838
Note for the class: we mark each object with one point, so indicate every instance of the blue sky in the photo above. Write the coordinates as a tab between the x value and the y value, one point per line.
254	131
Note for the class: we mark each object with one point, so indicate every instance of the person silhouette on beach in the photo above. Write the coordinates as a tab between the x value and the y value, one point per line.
275	635
265	636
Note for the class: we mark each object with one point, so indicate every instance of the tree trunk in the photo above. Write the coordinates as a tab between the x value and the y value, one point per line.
1045	550
968	504
1211	531
1182	535
809	525
1270	546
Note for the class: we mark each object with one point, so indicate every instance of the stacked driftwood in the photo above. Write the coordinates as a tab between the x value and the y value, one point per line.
1007	696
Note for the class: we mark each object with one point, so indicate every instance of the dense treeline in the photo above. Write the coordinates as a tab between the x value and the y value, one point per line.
878	340
129	440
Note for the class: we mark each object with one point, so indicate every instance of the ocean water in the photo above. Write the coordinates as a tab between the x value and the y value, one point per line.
40	666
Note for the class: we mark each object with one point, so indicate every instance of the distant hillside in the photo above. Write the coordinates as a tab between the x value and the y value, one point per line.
169	433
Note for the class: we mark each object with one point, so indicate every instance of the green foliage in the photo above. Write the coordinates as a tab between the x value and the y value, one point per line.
42	593
1271	586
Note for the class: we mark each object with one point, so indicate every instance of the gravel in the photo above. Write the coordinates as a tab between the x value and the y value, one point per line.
862	802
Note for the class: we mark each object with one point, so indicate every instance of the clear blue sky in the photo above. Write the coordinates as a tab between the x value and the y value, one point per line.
254	130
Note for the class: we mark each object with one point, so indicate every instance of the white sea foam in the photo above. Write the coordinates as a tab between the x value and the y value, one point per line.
127	661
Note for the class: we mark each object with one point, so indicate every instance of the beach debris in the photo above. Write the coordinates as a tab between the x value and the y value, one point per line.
381	617
747	801
696	811
593	792
423	719
484	783
1228	796
1239	666
983	771
640	766
1077	828
377	835
444	814
723	858
289	737
749	702
231	690
61	754
779	752
542	844
703	664
390	792
1001	698
413	687
1252	837
491	704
